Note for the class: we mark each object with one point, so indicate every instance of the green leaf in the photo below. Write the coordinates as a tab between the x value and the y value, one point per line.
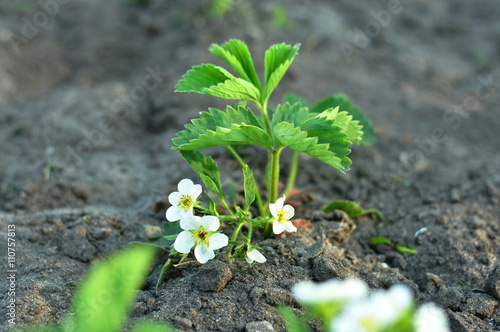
316	142
292	113
292	322
206	168
217	128
352	209
105	296
166	267
380	240
216	81
342	119
408	249
148	244
293	98
344	104
235	53
150	326
277	60
249	185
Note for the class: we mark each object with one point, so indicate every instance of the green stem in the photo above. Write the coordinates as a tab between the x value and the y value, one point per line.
235	236
257	192
294	166
265	116
235	155
250	230
226	206
275	176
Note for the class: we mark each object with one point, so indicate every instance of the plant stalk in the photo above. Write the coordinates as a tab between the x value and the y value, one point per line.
233	238
257	192
275	176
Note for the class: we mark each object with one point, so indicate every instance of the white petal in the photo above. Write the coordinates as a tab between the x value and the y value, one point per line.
217	241
174	213
174	198
278	228
289	227
203	254
431	318
184	242
189	223
273	209
185	186
255	255
210	223
290	211
280	202
195	191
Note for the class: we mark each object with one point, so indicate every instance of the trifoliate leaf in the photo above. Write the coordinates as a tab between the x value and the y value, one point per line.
342	119
206	168
344	104
218	82
329	133
236	54
277	60
217	128
316	142
292	113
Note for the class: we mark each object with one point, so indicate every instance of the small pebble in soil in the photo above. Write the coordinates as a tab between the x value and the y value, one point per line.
451	297
326	268
153	232
263	326
213	276
76	245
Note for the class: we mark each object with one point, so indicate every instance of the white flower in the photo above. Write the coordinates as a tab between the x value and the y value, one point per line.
374	313
200	232
183	200
431	318
333	290
255	255
282	214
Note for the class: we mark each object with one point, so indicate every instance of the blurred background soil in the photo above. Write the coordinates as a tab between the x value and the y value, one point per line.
88	111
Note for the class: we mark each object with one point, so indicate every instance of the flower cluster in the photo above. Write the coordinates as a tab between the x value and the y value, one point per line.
345	306
202	233
198	232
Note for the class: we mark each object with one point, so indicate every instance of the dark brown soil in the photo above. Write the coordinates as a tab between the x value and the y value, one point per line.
87	113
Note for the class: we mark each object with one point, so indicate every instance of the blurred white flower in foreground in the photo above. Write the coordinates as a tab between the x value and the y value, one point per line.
282	214
375	313
183	200
255	255
200	232
329	291
431	318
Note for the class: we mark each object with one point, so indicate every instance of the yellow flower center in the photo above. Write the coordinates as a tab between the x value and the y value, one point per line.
282	216
185	202
201	236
